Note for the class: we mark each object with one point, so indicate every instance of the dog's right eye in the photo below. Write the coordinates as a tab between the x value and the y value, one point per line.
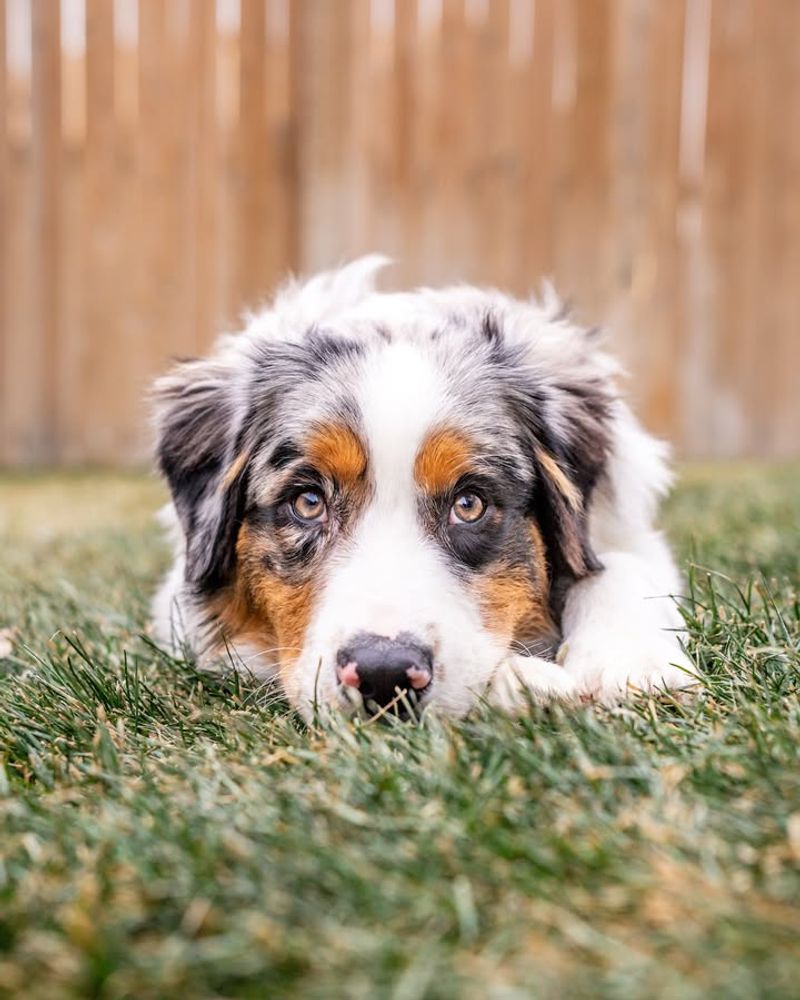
309	506
467	509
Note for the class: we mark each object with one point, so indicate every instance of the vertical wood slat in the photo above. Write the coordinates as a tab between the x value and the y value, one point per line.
378	139
5	332
359	123
770	389
534	126
204	176
228	51
657	276
321	37
583	234
431	177
22	418
282	137
296	95
788	418
45	168
496	190
729	156
405	31
104	370
259	242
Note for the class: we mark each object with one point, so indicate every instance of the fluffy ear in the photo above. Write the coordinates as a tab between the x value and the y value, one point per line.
197	453
568	434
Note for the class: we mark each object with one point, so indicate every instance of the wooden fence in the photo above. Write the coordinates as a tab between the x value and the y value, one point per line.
163	163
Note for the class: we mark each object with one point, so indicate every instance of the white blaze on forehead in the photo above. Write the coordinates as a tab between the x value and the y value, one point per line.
402	396
390	577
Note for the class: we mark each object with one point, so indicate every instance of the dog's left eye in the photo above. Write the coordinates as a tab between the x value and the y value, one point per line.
467	509
310	506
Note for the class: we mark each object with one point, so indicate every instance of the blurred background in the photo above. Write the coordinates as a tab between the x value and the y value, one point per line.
164	163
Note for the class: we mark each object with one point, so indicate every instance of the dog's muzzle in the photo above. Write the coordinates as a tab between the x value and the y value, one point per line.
385	670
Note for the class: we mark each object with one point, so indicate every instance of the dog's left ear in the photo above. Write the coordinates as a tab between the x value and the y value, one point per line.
197	427
566	432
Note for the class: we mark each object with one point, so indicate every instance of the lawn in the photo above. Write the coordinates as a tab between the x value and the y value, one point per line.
162	835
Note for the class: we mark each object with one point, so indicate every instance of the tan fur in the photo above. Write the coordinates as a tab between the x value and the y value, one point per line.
514	599
234	469
442	459
336	451
562	482
260	608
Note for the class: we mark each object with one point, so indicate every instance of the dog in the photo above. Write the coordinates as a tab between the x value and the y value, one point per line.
404	500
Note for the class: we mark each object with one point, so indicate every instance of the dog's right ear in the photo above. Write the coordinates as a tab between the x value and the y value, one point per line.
197	431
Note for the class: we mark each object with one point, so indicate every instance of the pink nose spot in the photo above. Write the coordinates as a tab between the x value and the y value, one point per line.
419	677
348	674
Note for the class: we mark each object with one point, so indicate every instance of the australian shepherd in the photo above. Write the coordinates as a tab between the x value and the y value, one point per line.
401	500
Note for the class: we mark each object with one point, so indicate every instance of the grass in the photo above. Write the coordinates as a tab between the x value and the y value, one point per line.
163	835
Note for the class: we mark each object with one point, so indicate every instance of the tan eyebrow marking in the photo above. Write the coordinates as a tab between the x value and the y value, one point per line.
443	457
337	452
560	479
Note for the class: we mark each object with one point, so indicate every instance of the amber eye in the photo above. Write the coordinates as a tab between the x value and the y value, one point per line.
467	508
310	506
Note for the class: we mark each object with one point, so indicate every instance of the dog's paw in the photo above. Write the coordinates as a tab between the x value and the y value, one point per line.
519	680
607	666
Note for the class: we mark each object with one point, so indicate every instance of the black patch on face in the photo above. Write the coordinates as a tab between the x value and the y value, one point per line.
475	545
293	546
284	454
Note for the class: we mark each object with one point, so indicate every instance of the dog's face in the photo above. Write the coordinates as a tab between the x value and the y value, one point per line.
383	507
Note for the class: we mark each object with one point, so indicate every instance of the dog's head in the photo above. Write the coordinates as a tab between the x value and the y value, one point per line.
383	492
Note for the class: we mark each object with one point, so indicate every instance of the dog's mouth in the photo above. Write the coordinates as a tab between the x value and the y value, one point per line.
406	704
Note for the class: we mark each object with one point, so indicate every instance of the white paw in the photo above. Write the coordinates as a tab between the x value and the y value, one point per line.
520	679
608	665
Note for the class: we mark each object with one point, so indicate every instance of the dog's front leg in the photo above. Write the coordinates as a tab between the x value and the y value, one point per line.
621	628
521	679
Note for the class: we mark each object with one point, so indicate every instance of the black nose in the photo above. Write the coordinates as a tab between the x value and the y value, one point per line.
380	667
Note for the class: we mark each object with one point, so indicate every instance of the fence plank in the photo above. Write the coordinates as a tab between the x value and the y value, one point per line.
204	173
583	252
647	205
405	37
730	153
496	190
535	128
104	368
771	259
326	119
46	161
787	420
259	243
